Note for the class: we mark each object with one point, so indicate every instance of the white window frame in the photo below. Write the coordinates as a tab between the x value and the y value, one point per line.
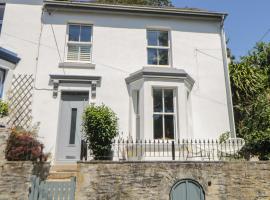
75	43
159	47
163	113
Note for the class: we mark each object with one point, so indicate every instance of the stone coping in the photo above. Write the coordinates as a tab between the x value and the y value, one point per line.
171	162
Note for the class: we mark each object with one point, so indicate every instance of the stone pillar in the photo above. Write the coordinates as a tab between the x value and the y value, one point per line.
4	133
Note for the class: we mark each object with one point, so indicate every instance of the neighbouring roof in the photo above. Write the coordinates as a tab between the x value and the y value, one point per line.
9	56
160	72
52	5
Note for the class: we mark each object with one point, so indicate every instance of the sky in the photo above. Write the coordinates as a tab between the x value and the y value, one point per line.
248	21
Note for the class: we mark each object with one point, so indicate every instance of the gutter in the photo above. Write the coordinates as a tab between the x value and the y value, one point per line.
51	6
227	80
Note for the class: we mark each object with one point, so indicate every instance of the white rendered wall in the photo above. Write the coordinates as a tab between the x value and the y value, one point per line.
119	48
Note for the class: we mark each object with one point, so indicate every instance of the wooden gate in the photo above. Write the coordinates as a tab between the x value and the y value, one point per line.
52	190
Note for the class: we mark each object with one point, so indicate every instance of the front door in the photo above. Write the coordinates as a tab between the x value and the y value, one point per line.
70	121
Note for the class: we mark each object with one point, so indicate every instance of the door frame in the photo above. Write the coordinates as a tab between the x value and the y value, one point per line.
56	156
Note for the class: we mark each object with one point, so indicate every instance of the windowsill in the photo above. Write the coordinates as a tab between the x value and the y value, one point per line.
77	65
158	66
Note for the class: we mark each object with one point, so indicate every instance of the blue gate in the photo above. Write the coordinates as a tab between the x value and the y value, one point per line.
187	190
52	190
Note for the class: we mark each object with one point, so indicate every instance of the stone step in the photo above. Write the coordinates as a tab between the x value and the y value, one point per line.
64	168
62	172
61	175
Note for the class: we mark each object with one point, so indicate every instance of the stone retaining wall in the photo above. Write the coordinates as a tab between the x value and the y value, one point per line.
153	180
15	180
15	175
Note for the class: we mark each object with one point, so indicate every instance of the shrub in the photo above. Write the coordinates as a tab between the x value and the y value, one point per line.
3	109
22	145
100	127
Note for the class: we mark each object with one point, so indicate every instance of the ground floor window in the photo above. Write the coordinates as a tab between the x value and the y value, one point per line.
164	113
2	79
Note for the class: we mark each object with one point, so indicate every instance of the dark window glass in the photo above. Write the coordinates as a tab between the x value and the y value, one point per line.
152	56
73	125
2	10
157	96
163	56
74	33
152	38
158	127
163	38
2	79
86	32
168	100
169	126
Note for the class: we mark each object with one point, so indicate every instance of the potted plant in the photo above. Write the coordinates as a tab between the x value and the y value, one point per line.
100	127
22	145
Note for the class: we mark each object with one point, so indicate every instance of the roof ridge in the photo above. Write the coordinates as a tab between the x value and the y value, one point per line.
134	6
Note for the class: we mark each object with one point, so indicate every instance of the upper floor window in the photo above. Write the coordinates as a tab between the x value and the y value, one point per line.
158	47
79	42
164	113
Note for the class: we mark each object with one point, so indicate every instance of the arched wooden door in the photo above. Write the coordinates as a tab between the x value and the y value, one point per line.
187	190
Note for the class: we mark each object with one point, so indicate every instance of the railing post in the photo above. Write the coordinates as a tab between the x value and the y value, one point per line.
173	151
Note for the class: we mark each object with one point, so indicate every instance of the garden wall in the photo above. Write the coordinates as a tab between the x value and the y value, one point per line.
153	180
15	175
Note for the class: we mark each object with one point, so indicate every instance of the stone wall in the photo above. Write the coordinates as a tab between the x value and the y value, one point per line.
153	180
15	176
15	180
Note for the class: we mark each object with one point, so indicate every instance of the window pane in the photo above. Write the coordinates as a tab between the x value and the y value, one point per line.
157	96
73	126
73	52
152	38
169	126
168	100
86	32
163	38
74	33
158	127
2	10
85	52
2	79
163	56
152	56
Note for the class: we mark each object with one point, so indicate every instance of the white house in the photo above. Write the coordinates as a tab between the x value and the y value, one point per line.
162	70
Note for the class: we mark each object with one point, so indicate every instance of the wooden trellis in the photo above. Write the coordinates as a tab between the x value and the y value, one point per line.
20	101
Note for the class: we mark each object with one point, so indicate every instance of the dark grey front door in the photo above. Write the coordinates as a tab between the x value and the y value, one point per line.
70	120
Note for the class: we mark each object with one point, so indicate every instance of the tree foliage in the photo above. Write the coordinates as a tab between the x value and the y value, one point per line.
250	83
3	109
159	3
100	127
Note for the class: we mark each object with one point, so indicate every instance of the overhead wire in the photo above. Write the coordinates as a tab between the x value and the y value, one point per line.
39	44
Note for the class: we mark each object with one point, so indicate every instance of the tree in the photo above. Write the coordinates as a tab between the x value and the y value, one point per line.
159	3
250	82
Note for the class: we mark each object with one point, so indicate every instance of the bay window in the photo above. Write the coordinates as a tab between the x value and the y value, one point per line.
164	114
158	47
79	42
